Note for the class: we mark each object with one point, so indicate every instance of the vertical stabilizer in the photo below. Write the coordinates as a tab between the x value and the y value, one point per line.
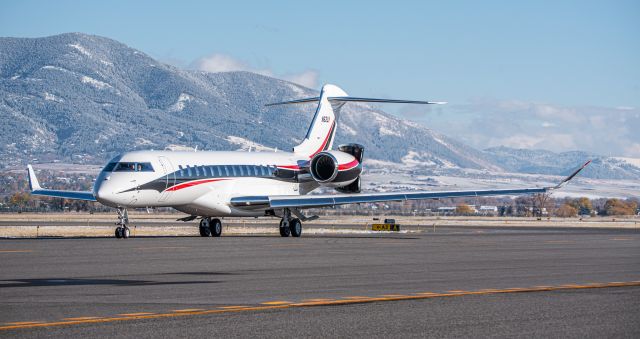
323	127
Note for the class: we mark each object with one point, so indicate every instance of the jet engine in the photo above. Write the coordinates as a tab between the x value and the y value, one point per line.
339	169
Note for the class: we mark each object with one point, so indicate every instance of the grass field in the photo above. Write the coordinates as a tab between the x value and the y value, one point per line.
143	224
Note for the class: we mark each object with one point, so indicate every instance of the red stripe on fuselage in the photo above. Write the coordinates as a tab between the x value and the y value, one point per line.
192	183
348	165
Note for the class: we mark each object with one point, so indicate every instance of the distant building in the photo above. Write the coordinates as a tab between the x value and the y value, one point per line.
488	210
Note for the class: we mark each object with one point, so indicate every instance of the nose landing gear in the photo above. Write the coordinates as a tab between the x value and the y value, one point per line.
122	231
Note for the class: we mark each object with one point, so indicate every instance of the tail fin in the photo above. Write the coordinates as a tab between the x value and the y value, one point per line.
323	127
325	122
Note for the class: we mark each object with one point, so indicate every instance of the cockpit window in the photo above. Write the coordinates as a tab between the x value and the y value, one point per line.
132	167
110	166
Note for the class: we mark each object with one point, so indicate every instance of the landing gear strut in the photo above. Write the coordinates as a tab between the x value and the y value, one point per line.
290	226
210	227
122	231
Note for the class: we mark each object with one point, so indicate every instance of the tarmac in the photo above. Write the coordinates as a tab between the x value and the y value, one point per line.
457	281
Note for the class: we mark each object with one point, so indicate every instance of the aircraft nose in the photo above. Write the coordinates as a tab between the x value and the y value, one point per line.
103	191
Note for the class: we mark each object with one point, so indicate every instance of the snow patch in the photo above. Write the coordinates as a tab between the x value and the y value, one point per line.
56	68
631	161
143	142
50	97
174	147
296	89
386	131
412	159
348	129
15	77
80	49
95	83
440	141
180	104
105	62
245	144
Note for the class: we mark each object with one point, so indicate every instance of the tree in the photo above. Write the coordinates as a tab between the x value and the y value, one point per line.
620	207
540	203
20	199
583	205
567	211
464	209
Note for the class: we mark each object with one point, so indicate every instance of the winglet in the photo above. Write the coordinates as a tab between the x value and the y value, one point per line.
33	180
567	179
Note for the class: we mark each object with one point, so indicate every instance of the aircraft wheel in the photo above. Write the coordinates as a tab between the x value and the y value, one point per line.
215	227
118	232
284	231
295	226
125	233
205	230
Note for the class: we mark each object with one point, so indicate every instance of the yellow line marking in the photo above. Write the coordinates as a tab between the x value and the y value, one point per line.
283	305
15	251
458	291
232	307
355	297
394	295
278	302
316	300
160	247
135	314
190	310
81	318
19	323
621	239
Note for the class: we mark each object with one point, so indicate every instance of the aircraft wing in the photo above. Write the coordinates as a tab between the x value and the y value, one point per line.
37	190
312	201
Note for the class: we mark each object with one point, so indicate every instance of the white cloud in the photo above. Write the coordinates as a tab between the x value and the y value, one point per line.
219	62
520	124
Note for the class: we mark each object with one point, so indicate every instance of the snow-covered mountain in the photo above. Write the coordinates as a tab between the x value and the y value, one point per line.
547	162
85	98
82	98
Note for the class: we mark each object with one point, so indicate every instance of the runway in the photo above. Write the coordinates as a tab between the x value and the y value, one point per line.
458	281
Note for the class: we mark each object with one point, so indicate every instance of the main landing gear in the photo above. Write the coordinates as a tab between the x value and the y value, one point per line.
210	227
122	231
290	226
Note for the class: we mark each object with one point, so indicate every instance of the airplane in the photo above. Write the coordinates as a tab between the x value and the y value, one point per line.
214	184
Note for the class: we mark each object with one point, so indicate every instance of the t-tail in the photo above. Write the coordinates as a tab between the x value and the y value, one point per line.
322	130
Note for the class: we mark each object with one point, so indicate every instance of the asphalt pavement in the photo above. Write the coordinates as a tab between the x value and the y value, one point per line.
462	282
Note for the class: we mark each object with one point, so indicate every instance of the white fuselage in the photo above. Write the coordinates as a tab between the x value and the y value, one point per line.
200	183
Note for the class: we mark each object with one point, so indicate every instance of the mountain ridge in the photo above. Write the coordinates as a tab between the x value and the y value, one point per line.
85	98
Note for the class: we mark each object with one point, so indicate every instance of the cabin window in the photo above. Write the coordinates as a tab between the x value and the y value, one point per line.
197	170
189	171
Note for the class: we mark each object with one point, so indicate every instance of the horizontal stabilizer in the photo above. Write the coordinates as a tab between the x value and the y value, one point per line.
354	99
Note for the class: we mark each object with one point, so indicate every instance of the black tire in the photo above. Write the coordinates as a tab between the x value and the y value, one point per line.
215	227
284	231
295	226
205	230
118	232
126	233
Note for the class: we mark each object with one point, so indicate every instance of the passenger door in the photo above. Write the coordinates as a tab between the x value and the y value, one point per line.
169	177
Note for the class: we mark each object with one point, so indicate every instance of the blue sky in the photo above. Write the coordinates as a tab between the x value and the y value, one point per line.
552	71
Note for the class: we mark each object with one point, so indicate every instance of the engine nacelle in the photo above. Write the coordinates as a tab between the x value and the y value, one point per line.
335	168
